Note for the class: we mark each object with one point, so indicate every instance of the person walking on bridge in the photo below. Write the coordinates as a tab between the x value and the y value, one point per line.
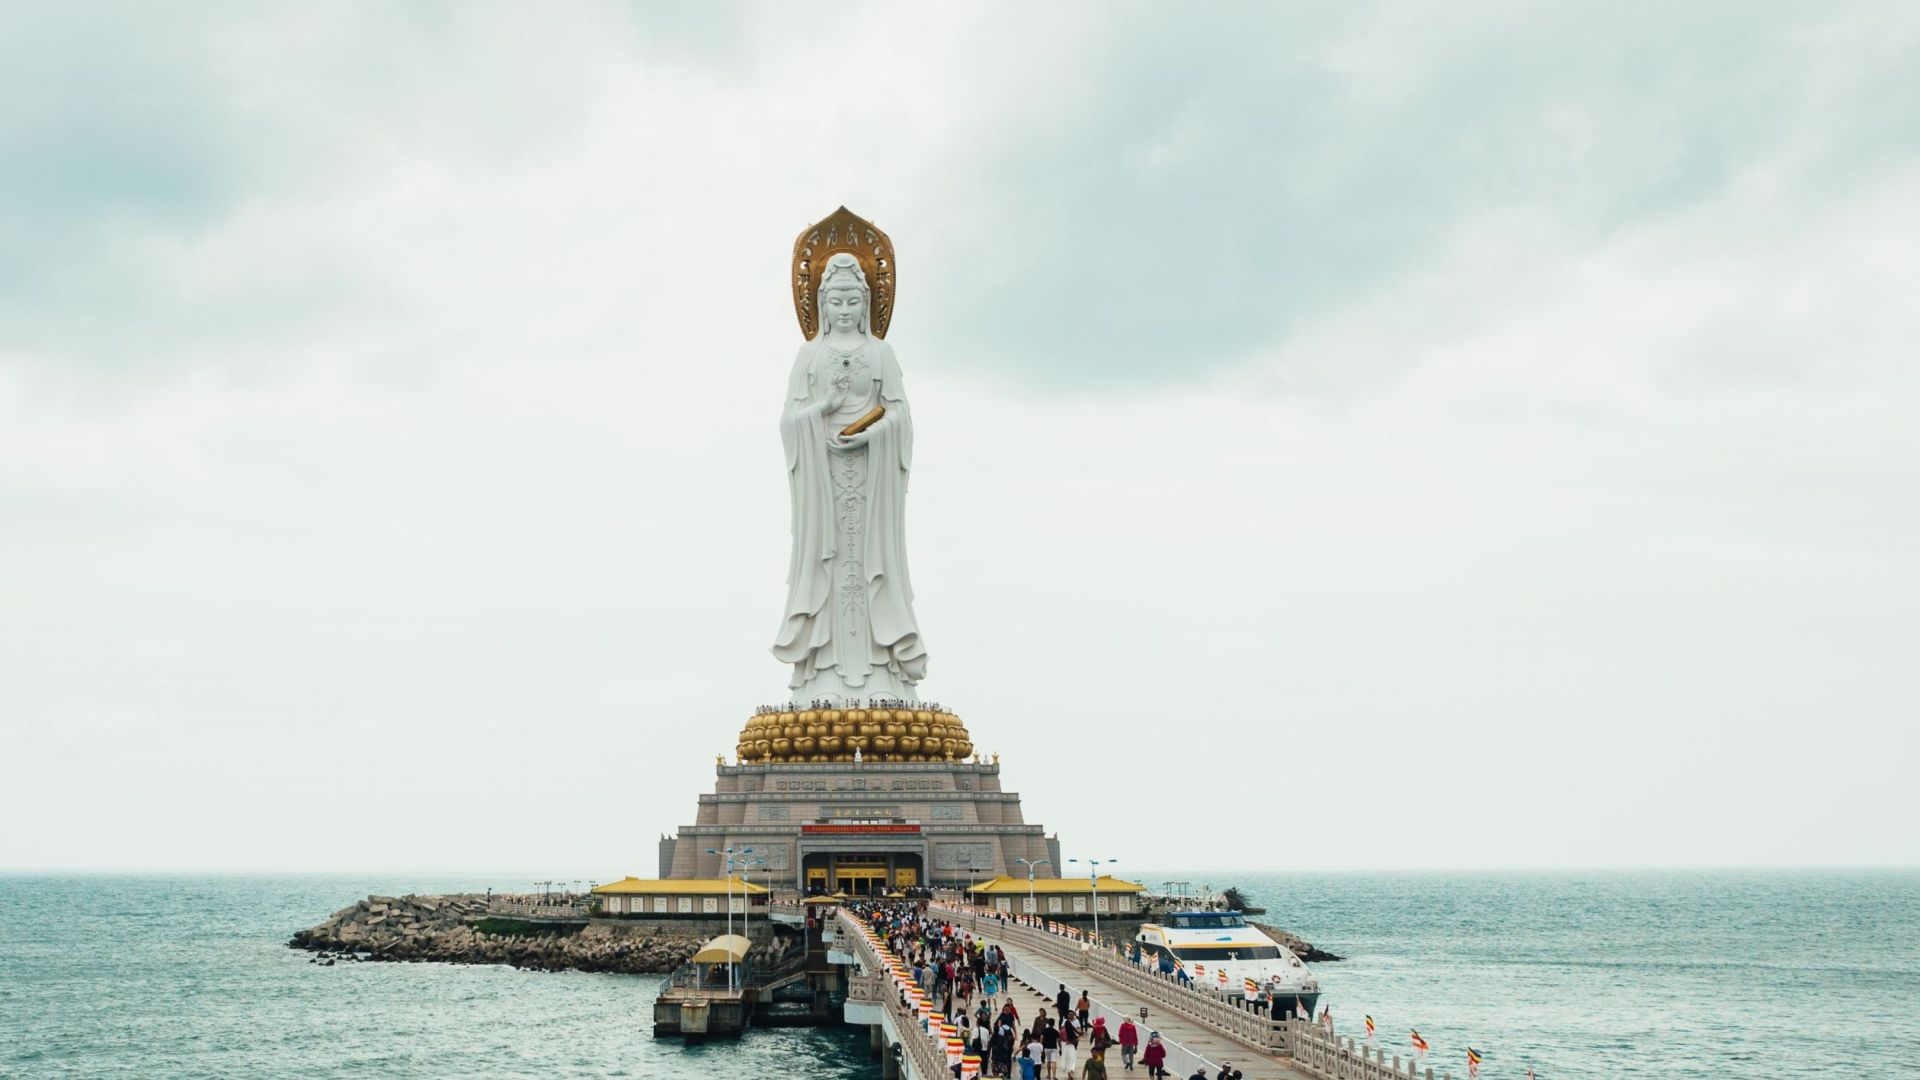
1129	1043
1155	1056
1069	1046
1099	1036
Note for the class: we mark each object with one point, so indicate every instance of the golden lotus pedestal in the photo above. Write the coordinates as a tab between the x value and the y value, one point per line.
832	736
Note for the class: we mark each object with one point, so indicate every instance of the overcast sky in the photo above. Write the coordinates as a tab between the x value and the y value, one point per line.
1346	437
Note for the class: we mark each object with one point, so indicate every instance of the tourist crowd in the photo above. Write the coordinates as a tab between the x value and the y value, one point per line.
969	980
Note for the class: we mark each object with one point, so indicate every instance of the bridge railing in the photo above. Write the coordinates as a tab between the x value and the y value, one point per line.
868	989
1314	1047
537	911
1317	1050
1218	1013
926	1061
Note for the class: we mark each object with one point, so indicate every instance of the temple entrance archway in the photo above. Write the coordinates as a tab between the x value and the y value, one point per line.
863	873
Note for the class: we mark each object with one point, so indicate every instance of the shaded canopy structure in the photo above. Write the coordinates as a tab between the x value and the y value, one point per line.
725	949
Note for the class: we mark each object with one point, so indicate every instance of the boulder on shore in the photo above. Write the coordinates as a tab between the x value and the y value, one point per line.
1300	947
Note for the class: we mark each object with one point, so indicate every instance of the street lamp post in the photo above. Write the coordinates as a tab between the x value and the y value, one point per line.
1032	865
746	898
729	853
1093	876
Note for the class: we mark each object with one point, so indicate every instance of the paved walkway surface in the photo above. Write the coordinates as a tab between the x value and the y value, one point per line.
1216	1049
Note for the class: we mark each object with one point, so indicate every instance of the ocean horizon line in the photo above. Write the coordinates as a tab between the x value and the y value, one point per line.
1157	873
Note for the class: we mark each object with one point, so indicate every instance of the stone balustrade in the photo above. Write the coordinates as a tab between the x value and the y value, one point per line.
924	1060
1313	1048
537	911
1218	1013
868	989
1319	1051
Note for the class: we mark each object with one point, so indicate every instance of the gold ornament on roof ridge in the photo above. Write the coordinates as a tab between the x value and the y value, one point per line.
843	230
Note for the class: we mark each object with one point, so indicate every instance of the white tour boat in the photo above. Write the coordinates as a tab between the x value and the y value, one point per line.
1218	950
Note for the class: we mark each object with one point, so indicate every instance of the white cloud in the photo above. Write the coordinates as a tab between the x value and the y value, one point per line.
437	467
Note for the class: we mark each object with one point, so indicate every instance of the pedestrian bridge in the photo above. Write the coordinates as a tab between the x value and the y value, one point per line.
1201	1029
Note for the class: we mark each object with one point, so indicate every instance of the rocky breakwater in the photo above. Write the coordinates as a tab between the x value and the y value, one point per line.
458	930
1301	948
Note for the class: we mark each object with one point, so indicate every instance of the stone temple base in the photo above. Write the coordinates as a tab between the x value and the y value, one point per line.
863	827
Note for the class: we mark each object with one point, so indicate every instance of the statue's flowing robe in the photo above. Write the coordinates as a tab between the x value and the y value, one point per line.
849	600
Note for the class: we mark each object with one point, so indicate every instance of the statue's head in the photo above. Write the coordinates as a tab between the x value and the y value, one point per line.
844	297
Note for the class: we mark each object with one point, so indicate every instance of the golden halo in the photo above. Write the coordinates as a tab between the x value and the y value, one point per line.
843	230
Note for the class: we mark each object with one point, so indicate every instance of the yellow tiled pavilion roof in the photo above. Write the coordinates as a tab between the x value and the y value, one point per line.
631	886
1017	886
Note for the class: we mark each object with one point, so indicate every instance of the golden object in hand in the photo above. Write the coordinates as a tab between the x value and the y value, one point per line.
864	422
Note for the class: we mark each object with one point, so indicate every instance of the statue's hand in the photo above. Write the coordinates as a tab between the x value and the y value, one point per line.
849	442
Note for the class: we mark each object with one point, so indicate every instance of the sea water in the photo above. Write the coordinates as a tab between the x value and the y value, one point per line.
1726	975
1619	974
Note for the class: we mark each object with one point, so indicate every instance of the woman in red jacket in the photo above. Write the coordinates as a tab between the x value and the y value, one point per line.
1155	1056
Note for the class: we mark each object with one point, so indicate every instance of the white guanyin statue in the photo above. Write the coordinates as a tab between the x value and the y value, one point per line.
848	629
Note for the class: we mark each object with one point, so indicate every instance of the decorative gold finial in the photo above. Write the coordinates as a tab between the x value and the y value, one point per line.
843	230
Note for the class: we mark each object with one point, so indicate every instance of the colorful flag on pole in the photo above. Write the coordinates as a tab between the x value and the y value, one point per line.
1252	987
1223	978
1200	969
1473	1062
1369	1025
1419	1043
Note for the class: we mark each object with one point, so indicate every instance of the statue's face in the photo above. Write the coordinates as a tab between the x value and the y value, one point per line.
841	309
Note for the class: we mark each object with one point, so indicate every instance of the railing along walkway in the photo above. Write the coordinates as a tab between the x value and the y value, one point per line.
1203	1024
874	985
1039	974
1213	1012
537	911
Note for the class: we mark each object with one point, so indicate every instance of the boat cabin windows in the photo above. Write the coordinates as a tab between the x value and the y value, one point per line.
1205	920
1220	954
